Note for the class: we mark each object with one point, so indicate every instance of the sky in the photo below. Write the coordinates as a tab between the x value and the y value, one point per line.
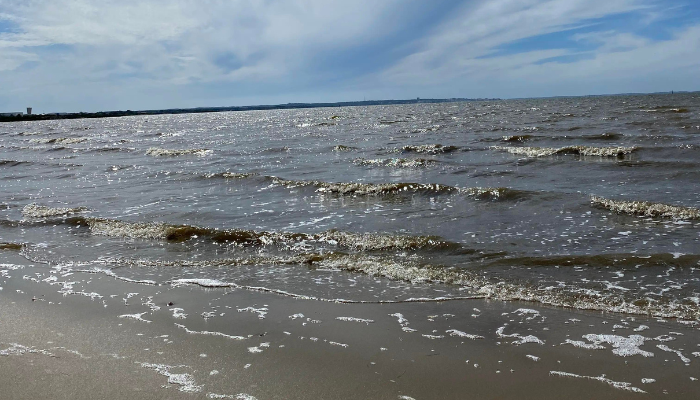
92	55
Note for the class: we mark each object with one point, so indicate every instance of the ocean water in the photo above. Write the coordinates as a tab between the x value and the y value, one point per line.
588	203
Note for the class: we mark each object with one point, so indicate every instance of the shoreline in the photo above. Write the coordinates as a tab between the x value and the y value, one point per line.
289	106
199	110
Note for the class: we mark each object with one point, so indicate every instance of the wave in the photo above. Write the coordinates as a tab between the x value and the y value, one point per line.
674	166
601	261
274	150
604	136
157	152
396	162
66	140
11	246
432	128
17	163
6	223
646	209
499	193
371	189
510	291
428	148
579	150
517	138
378	189
667	109
230	175
181	233
108	149
341	148
36	211
14	163
476	285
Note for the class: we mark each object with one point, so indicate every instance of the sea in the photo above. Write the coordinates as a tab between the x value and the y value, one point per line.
573	203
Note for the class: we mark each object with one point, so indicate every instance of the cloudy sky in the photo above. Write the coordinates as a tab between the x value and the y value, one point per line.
90	55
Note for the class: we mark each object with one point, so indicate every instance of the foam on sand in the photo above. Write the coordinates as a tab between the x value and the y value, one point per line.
617	385
353	319
136	317
239	396
209	333
622	346
680	355
455	332
520	338
16	349
185	381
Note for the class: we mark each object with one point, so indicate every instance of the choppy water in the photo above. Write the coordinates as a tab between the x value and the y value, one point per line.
591	203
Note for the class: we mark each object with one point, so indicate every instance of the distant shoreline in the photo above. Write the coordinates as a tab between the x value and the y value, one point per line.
287	106
108	114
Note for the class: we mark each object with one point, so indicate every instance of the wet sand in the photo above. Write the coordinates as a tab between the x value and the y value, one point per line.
106	338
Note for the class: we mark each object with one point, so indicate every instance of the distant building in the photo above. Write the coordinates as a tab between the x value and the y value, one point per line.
12	114
29	111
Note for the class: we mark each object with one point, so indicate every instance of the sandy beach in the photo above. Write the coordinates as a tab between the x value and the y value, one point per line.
111	339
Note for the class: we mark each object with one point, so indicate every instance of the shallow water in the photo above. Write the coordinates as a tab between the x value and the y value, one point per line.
594	197
588	203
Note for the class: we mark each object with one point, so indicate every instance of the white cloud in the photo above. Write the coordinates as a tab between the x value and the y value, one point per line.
160	44
96	54
267	37
462	58
478	31
11	59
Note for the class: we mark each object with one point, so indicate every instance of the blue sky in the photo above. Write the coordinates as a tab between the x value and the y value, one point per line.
90	55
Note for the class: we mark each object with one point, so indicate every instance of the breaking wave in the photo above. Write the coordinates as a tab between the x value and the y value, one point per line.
476	285
372	189
36	211
230	175
396	162
66	140
11	246
646	209
341	148
579	150
157	152
181	233
517	138
428	148
378	189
